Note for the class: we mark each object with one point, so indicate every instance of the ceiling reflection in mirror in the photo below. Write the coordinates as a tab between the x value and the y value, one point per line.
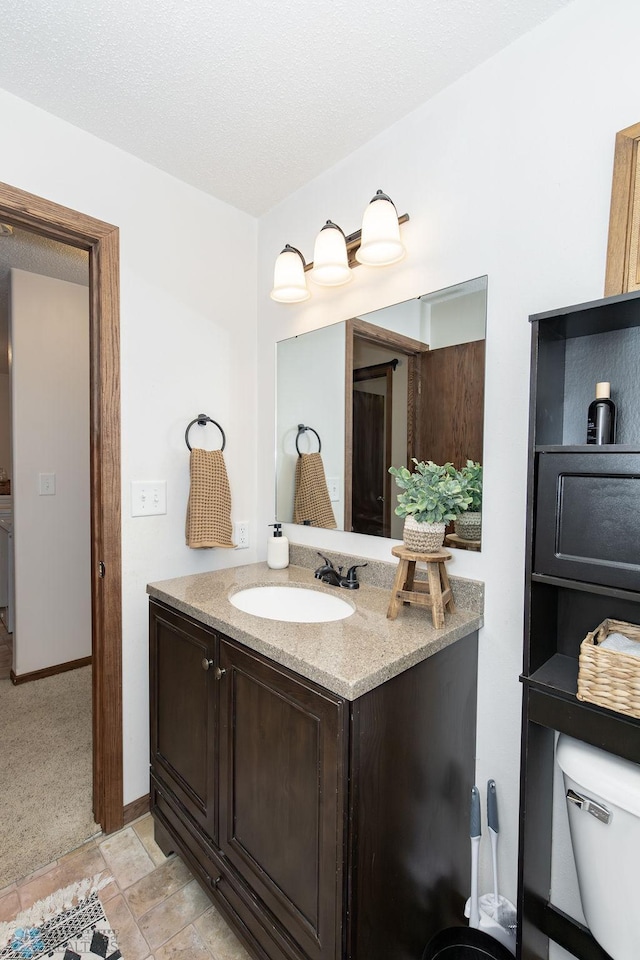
356	397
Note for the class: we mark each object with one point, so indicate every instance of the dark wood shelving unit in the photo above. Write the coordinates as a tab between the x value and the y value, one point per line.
582	566
558	676
631	595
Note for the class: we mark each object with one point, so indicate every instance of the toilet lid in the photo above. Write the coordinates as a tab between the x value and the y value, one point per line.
611	778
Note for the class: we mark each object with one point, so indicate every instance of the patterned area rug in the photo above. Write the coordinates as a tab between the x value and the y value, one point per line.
69	925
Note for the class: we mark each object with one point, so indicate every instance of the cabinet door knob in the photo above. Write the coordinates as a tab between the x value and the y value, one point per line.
206	663
219	672
215	881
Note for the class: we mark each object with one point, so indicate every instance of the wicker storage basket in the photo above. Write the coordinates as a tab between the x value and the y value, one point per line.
607	677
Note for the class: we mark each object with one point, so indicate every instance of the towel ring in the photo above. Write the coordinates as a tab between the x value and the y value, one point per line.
303	429
203	419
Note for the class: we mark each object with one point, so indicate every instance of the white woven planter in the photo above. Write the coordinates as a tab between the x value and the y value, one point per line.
469	525
423	537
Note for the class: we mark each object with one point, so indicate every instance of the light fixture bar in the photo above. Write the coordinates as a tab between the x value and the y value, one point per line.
352	241
377	244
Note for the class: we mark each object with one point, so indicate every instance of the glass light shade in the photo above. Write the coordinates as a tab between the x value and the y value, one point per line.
330	260
289	283
380	244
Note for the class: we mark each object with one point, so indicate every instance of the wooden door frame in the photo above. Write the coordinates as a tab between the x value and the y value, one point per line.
101	241
355	327
625	196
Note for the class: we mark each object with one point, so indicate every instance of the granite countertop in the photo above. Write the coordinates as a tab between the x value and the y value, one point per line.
348	657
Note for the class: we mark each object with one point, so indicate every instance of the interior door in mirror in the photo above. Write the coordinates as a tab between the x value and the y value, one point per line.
450	404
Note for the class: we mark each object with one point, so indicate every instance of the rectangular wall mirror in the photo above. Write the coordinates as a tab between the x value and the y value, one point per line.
374	391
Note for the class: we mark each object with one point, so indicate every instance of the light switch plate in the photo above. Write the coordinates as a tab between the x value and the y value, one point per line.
333	486
148	497
46	484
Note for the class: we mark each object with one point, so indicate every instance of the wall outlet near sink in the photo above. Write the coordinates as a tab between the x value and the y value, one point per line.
241	534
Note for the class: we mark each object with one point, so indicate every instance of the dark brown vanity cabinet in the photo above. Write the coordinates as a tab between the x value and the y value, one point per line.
322	828
183	714
282	782
582	566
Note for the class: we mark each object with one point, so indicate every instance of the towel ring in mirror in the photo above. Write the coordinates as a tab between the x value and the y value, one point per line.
303	429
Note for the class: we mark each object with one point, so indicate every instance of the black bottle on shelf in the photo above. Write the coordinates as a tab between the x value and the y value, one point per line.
601	423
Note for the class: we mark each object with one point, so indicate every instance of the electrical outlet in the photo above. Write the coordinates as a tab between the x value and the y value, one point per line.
241	534
148	497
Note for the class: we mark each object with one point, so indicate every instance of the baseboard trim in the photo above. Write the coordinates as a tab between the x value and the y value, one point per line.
137	808
49	671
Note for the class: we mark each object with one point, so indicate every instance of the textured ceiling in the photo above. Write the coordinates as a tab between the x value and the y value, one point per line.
247	100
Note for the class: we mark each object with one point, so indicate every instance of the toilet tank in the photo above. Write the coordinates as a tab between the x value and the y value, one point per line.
603	801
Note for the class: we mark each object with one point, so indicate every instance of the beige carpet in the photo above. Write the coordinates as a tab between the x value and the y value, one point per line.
45	771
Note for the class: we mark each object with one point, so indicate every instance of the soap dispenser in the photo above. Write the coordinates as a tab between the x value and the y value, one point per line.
277	549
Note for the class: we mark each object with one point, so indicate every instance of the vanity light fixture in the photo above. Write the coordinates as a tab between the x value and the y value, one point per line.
377	244
380	244
289	284
330	258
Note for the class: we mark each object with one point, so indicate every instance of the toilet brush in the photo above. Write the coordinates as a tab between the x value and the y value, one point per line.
492	820
491	912
492	905
475	832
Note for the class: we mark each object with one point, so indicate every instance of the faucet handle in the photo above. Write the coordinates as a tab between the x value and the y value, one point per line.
351	579
327	565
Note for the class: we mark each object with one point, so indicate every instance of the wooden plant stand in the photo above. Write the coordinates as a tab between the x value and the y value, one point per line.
453	540
435	592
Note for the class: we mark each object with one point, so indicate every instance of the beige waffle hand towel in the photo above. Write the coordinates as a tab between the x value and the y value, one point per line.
311	500
209	507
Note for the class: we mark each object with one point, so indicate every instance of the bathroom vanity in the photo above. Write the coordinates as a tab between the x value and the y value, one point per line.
316	777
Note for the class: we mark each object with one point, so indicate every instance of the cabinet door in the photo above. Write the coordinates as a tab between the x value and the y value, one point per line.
182	704
281	804
587	524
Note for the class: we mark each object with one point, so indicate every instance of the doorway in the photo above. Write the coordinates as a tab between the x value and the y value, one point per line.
373	435
380	421
101	241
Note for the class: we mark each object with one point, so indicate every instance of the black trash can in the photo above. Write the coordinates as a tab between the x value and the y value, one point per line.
465	943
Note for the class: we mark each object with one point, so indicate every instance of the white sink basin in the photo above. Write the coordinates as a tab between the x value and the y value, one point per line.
295	604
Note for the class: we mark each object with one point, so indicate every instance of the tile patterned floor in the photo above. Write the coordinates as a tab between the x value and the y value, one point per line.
154	904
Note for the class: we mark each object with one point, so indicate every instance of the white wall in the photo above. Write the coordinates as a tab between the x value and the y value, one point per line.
188	268
311	375
49	337
457	320
5	424
506	173
404	318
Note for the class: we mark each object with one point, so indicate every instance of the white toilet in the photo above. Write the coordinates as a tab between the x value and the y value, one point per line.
603	800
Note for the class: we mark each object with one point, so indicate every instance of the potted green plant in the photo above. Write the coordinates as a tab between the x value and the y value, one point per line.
433	496
468	525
